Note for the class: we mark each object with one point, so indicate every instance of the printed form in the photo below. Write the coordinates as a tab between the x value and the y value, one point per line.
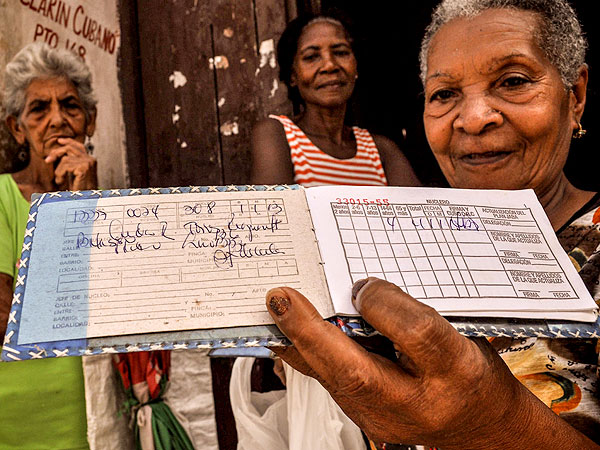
463	252
140	264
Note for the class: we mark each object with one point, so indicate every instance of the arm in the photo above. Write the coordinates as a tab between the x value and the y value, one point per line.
444	390
6	293
271	160
398	170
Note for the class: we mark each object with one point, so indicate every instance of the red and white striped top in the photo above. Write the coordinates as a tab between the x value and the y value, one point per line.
313	167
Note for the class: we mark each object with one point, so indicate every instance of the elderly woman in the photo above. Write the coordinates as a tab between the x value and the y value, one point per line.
316	147
50	106
505	89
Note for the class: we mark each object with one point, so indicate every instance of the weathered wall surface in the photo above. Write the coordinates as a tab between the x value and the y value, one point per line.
209	74
90	29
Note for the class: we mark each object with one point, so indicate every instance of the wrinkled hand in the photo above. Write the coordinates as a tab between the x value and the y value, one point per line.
76	169
445	390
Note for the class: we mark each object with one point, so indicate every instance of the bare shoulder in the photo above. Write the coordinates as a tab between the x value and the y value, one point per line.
268	135
396	166
385	145
268	126
271	160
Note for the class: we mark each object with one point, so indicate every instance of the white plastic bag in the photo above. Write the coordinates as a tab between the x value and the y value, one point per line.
304	416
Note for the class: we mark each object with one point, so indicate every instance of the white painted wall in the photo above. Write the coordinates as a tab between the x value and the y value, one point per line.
91	29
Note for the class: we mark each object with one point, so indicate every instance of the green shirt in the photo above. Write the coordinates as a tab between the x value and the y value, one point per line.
14	211
42	401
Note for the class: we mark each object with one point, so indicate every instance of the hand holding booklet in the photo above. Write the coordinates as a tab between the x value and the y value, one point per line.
133	262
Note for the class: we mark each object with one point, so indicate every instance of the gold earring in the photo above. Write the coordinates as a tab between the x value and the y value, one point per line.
579	133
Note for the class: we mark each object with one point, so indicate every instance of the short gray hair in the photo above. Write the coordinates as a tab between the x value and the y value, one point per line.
40	61
559	33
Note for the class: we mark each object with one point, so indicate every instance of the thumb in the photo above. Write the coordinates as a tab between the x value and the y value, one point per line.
315	341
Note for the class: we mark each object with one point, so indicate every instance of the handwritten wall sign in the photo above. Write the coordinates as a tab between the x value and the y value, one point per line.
75	19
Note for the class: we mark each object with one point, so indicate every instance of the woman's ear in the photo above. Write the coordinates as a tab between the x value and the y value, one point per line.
578	95
90	128
16	129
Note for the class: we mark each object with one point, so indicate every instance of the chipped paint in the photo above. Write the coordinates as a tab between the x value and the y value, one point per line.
274	88
228	32
184	144
229	128
267	53
178	79
221	101
218	62
175	116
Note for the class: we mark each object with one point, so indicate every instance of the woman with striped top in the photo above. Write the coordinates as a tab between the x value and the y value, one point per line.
316	148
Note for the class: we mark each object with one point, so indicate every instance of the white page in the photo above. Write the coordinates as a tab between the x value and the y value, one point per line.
463	252
165	262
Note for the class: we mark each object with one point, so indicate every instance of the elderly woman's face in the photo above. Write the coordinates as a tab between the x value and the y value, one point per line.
52	110
496	112
324	68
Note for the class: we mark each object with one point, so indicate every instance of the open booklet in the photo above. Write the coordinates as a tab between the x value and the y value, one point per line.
136	261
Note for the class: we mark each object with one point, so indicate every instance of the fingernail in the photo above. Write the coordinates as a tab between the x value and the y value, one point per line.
279	305
356	287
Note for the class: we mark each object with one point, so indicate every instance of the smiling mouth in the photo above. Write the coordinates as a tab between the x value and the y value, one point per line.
485	157
331	84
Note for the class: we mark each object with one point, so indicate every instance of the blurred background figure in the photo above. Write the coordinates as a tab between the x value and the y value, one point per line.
50	111
317	146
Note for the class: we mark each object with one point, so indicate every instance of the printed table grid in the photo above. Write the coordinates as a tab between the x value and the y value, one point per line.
449	251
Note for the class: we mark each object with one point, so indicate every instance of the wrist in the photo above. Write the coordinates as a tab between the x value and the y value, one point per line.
526	422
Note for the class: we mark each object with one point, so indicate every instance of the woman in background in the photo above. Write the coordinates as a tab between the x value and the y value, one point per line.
50	106
317	64
316	148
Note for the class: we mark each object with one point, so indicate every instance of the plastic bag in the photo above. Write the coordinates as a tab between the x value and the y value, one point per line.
304	416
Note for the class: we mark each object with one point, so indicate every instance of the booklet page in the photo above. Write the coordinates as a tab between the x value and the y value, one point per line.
147	263
463	252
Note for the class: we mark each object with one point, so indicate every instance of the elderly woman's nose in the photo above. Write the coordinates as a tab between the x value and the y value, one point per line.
476	114
56	115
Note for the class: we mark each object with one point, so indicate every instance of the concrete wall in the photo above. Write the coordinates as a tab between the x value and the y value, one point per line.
91	29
